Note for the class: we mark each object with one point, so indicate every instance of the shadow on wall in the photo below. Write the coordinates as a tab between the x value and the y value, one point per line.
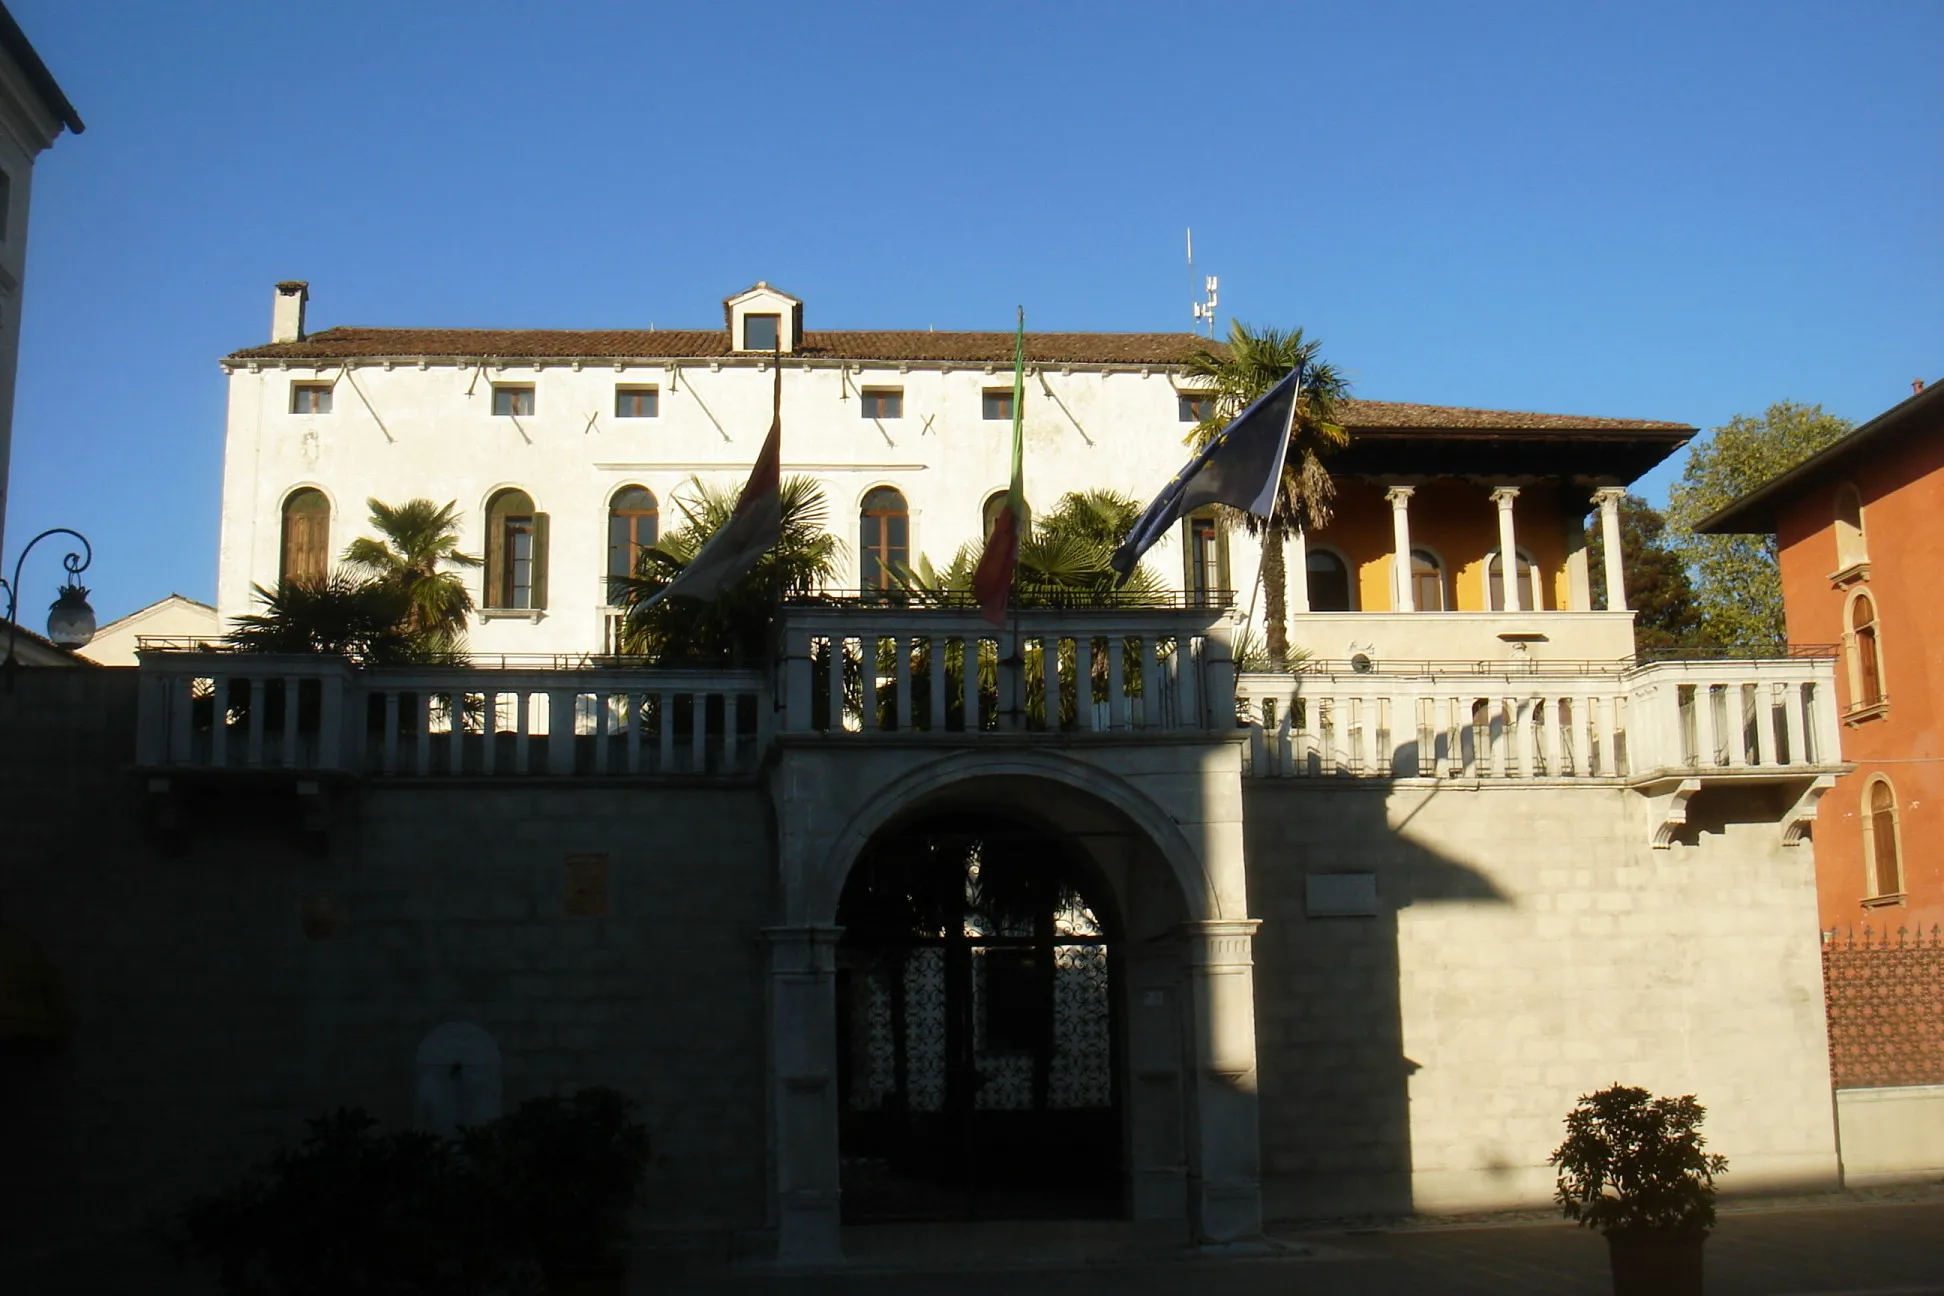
1328	873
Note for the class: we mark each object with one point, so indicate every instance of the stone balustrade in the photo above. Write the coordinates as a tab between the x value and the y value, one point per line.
855	672
1553	721
234	711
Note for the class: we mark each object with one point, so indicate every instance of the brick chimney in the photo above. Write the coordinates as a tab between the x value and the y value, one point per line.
287	311
1916	386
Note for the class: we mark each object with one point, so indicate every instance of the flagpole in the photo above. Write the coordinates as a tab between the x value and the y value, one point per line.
1018	658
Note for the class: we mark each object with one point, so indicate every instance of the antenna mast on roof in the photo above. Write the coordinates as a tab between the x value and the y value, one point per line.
1204	311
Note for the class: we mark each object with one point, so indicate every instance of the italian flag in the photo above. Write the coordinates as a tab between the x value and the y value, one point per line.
992	581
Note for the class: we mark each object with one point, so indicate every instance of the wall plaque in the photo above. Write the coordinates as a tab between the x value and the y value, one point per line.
587	885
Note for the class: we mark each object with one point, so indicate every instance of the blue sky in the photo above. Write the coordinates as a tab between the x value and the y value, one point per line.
1665	211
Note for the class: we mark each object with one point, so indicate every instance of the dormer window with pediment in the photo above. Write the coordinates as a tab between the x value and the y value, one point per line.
762	321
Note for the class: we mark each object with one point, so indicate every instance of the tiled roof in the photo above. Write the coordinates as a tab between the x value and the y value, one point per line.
709	344
1399	416
1161	349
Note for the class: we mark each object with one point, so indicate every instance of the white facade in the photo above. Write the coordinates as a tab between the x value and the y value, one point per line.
174	618
33	111
403	430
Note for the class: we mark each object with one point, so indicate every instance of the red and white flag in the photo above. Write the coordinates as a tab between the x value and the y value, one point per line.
752	529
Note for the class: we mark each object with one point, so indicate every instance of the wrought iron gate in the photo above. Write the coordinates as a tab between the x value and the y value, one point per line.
977	1031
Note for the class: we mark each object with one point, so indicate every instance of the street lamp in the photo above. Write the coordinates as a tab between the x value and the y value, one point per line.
70	621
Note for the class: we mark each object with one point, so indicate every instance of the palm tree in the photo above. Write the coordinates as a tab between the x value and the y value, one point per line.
733	627
1254	361
1063	560
420	540
338	615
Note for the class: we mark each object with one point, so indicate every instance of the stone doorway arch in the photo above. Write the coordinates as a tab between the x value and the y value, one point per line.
1162	852
979	1035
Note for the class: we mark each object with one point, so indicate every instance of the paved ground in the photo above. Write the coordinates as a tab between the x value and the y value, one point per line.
1893	1248
1891	1245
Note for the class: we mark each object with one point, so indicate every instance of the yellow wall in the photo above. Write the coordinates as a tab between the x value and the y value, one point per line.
1455	520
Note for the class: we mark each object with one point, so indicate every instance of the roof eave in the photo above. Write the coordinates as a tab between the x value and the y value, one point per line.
15	42
1755	513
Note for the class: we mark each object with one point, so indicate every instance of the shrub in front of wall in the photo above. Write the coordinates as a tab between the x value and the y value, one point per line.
562	1174
498	1210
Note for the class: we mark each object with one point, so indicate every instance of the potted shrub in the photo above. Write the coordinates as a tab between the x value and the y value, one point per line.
1632	1167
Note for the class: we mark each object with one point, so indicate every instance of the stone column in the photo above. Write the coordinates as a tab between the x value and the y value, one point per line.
1225	1154
1296	564
803	1092
1508	550
1608	498
1400	502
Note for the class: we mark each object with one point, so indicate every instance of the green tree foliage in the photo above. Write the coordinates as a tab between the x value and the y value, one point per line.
1658	587
420	540
1063	560
732	629
1737	578
1254	361
340	615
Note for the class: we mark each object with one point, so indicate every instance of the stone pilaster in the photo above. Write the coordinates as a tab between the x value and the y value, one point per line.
803	1092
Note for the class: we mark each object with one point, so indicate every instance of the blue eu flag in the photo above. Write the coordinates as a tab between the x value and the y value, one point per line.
1240	466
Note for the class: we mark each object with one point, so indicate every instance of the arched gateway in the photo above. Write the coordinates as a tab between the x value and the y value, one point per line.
1012	984
978	1033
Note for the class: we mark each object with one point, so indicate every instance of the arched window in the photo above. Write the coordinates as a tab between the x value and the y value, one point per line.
634	523
1206	557
1329	582
516	552
883	539
1850	549
1427	581
1881	839
990	513
1532	596
1865	653
306	536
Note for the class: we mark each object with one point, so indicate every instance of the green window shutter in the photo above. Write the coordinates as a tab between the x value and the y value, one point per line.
540	560
495	556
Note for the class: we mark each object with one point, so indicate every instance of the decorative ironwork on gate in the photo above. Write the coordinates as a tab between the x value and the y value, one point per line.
977	1021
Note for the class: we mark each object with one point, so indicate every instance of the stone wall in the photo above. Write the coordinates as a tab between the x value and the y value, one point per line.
1527	946
221	992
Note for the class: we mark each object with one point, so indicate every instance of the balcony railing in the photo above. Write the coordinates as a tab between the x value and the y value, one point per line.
857	671
1562	721
220	711
851	673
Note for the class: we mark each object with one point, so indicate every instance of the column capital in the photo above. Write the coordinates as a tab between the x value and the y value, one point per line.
1504	495
1397	495
1609	496
1223	942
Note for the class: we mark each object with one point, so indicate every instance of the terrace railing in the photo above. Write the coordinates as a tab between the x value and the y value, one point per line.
235	711
860	671
1565	721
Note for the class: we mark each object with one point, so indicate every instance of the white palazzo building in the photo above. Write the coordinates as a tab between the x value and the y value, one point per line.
919	919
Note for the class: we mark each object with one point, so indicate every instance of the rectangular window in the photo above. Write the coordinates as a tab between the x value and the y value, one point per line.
636	402
310	398
519	563
1196	408
512	400
760	332
881	403
999	403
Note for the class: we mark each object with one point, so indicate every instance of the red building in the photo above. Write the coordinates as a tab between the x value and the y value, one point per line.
1861	528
